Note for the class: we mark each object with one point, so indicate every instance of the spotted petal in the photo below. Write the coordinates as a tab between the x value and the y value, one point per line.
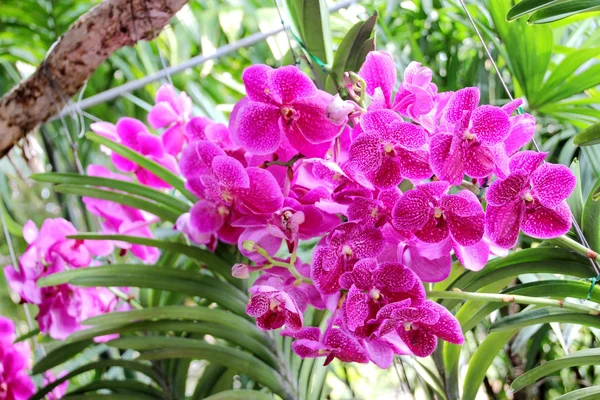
546	223
461	103
289	83
379	71
552	184
411	211
489	124
446	158
257	128
502	223
527	160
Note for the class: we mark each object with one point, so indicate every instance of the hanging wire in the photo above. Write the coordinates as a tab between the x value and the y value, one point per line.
537	148
287	34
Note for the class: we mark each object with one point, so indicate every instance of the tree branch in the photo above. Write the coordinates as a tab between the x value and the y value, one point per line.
109	26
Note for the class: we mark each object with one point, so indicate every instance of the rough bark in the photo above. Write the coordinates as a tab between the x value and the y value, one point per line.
106	28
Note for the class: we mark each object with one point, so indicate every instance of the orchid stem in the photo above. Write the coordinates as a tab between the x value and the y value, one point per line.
471	187
509	298
567	242
126	298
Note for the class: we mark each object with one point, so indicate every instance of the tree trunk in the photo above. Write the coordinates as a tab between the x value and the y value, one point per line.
74	57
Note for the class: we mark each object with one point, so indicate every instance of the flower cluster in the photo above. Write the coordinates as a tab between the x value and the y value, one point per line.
62	307
15	383
297	164
298	168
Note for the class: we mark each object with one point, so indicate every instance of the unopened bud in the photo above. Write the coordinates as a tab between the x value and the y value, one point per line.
338	110
240	271
249	245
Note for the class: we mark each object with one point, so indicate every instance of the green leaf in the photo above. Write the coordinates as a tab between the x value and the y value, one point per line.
160	348
567	68
133	188
563	10
582	357
240	395
128	386
588	393
161	211
575	200
526	7
148	276
152	166
210	376
110	397
542	316
591	219
589	136
481	360
535	260
356	56
103	364
222	325
204	314
210	260
59	355
28	335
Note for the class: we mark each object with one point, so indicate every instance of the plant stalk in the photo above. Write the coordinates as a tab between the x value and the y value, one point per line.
509	298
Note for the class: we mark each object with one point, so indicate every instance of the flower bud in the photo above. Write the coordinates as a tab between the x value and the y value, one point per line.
249	245
338	110
241	271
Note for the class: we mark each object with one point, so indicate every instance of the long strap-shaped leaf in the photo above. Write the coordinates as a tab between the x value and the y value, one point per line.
132	365
132	188
160	348
232	321
146	163
583	357
588	393
240	395
210	260
235	330
129	386
147	276
160	210
542	316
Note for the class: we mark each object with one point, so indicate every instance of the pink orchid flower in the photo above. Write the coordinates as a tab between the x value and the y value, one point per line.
122	220
389	150
171	111
334	343
134	134
282	102
419	327
469	146
372	286
530	199
416	95
432	215
340	250
15	382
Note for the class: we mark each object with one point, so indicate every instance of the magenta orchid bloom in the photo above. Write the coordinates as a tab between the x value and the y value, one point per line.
122	220
530	199
274	308
419	327
389	150
15	382
171	111
282	102
432	216
340	250
134	134
63	307
469	146
334	343
416	94
372	286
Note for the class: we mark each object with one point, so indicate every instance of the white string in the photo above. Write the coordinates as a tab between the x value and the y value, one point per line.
575	222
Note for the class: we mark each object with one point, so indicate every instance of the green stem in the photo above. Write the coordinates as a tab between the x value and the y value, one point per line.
509	298
567	242
125	297
471	187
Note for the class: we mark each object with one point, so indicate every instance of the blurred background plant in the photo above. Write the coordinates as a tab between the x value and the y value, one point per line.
554	66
